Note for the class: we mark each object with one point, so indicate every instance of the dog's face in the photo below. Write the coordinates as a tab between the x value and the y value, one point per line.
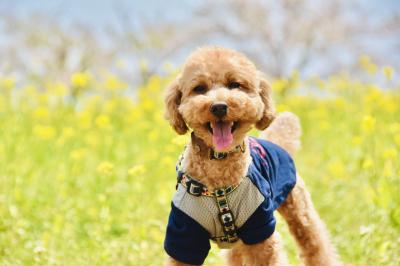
220	95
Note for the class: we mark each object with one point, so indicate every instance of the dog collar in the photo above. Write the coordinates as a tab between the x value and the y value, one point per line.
214	155
200	146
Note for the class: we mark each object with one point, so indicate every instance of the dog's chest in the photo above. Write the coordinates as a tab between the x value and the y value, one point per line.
243	202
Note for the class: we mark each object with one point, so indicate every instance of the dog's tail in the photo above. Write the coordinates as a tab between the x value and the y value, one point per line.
284	131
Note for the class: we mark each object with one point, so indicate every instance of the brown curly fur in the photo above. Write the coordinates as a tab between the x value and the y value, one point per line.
250	105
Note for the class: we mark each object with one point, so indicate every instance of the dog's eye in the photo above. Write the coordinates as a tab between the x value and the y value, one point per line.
200	89
233	85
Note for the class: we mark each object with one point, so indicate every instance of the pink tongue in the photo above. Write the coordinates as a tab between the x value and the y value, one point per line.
222	136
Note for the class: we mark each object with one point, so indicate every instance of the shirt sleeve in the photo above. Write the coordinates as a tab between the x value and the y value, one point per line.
186	240
259	226
281	171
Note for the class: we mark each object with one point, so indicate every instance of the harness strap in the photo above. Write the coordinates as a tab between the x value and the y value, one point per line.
226	216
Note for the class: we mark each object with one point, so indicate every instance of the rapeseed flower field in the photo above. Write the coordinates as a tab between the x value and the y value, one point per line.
87	166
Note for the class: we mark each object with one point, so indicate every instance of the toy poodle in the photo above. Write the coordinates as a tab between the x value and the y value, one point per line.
229	184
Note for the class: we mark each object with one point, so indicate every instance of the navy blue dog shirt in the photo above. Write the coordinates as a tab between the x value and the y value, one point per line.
194	220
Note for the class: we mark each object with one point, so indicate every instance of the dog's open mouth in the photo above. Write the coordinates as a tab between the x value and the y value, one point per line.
222	133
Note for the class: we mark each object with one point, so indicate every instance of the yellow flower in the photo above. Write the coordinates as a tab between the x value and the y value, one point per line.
43	98
44	132
368	164
180	140
133	115
357	140
102	121
336	168
41	113
7	83
56	88
320	113
110	106
279	85
68	132
324	125
367	65
143	125
171	148
390	154
77	154
92	139
373	95
388	72
340	102
372	69
282	108
80	79
136	170
364	60
85	119
368	123
60	89
387	169
320	83
158	117
113	83
389	104
105	168
148	105
93	212
167	161
154	135
58	223
29	91
46	238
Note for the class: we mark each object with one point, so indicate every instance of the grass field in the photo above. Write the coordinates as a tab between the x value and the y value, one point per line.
87	170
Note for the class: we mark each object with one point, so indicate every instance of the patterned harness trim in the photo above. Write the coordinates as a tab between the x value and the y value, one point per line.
197	189
226	217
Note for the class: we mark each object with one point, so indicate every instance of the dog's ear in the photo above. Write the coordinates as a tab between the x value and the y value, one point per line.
269	109
172	101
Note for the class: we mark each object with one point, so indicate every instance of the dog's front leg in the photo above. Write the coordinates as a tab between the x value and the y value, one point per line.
266	253
234	256
308	229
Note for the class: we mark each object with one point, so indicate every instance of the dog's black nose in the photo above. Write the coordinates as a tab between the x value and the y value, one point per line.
219	109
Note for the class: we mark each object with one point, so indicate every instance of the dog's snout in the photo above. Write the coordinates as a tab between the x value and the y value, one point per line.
219	109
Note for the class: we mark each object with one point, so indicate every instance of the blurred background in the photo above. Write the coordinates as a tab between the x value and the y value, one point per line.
87	160
312	37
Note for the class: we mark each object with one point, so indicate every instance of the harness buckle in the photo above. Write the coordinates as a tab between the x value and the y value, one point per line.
194	188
